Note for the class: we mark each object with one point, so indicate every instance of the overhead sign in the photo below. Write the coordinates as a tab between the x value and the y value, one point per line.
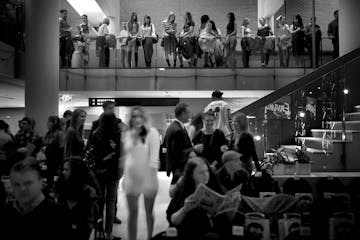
127	102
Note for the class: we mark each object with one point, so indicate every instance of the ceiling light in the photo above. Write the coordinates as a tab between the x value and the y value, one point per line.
346	91
89	7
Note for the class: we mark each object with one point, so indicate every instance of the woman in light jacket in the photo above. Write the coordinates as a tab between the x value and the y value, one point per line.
141	145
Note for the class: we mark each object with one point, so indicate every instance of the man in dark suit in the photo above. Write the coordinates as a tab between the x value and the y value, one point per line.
177	143
108	108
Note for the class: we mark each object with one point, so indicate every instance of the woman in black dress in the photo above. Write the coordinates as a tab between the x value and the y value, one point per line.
209	142
298	40
243	142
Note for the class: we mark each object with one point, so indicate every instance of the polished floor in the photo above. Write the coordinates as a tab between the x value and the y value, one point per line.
161	203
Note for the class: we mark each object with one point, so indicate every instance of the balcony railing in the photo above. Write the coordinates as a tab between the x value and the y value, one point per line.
158	58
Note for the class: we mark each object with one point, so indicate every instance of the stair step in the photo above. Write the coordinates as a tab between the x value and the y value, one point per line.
318	143
357	108
333	134
354	116
349	125
293	148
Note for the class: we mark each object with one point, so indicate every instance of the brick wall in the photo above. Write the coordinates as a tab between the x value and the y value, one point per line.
216	9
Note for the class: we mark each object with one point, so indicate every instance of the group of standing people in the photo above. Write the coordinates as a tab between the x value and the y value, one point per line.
190	45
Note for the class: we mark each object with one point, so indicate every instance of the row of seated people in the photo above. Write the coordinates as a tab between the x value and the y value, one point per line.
192	220
75	214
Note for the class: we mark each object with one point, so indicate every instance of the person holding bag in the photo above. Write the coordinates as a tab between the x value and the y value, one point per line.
133	41
148	38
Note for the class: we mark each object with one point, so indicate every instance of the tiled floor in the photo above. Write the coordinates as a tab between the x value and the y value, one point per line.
161	204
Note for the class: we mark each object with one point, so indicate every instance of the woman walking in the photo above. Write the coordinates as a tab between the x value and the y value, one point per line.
141	145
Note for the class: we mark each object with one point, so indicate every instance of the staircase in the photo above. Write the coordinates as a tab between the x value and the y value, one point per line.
326	146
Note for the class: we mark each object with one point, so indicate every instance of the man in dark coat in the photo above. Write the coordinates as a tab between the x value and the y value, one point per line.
177	143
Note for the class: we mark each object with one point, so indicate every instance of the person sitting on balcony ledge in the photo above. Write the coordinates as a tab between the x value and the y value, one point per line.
170	42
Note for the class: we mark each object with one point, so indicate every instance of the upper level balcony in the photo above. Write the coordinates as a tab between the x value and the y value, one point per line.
88	73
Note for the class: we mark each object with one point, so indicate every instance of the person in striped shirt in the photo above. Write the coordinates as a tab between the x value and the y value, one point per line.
169	26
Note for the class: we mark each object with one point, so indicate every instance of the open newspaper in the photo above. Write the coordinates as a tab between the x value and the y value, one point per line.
215	203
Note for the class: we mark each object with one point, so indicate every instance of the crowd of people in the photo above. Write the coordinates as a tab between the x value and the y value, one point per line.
188	44
62	188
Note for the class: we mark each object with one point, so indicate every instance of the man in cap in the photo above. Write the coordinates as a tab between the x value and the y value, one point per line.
222	112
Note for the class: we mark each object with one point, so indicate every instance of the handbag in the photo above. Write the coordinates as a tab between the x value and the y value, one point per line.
156	38
89	158
138	42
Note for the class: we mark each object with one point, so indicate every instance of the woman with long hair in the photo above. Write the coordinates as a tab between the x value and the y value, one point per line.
230	41
284	41
218	52
54	142
169	26
206	40
147	34
298	40
133	28
141	145
74	143
77	197
245	42
243	143
265	34
183	212
195	125
187	42
107	148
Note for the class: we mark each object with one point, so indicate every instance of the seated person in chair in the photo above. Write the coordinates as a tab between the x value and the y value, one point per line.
192	222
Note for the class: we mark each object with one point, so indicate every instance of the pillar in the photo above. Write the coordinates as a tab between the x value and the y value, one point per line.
349	19
42	61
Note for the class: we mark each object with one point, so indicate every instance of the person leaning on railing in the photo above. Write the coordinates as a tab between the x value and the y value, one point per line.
230	41
267	43
169	41
187	42
245	42
133	41
147	36
123	40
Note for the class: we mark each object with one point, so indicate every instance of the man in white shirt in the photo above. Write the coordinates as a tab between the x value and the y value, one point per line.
102	44
222	112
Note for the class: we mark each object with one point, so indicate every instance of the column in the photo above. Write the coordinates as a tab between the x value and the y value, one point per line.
42	61
349	19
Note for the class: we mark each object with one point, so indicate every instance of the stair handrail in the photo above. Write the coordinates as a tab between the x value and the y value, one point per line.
332	66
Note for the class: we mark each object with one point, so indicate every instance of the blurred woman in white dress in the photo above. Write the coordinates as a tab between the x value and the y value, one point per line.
141	145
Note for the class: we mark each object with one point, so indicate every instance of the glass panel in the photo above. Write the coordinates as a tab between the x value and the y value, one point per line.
303	118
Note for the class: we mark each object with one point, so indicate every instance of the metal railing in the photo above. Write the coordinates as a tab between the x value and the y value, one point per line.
158	58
